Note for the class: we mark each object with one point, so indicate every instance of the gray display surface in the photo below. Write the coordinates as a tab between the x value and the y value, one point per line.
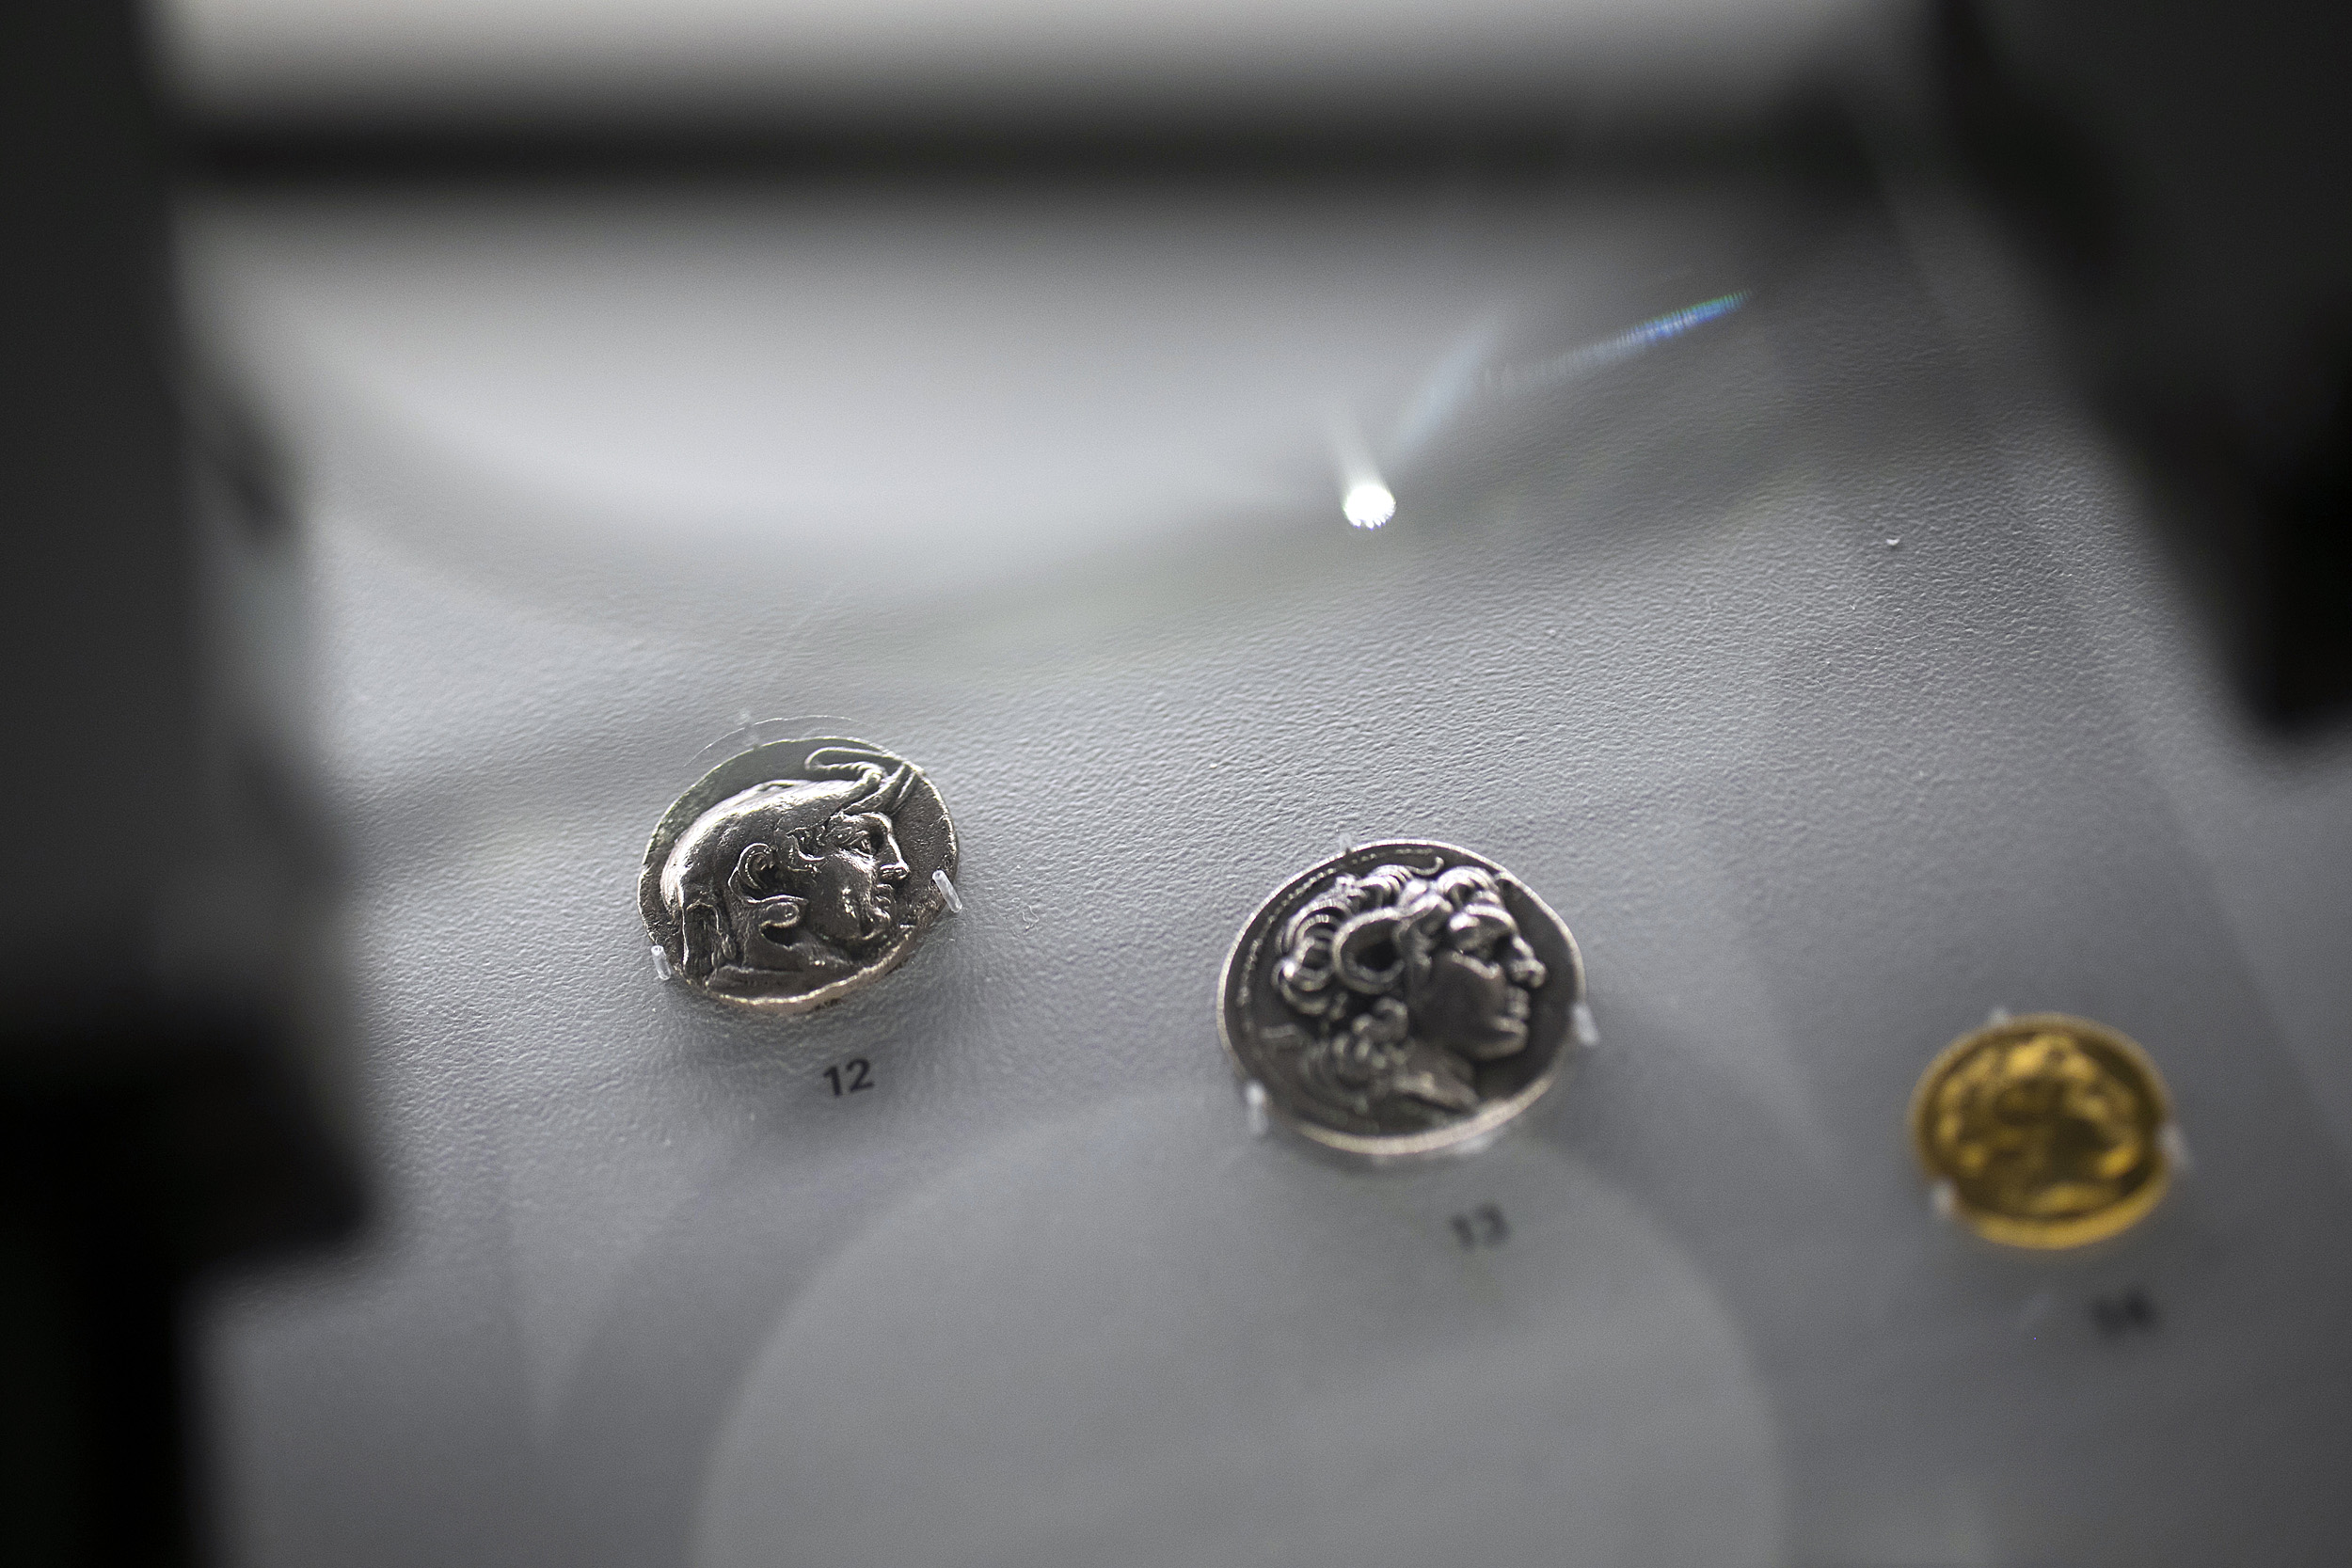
1809	662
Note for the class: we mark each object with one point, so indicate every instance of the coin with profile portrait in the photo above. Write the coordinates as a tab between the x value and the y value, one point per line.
1403	998
796	872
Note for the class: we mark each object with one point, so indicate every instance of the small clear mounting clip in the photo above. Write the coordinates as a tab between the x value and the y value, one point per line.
1253	1102
947	891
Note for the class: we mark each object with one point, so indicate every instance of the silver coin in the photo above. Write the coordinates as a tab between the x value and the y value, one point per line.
796	872
1401	999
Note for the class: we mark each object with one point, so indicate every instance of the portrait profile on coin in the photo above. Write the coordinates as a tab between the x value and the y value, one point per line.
1401	998
796	871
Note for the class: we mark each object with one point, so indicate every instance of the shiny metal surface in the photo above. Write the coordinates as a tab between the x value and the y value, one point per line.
791	875
1403	998
2047	1130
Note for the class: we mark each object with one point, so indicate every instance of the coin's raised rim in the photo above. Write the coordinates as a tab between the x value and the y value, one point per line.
1463	1136
2047	1235
701	795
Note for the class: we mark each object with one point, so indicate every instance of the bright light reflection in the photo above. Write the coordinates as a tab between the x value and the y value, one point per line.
1369	504
1609	351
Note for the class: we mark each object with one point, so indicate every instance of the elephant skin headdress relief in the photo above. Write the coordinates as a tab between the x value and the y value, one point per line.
736	878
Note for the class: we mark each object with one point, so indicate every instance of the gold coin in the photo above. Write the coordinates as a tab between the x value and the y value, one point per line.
2049	1130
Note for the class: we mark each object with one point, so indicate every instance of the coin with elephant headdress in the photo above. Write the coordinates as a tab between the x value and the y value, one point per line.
796	872
1402	998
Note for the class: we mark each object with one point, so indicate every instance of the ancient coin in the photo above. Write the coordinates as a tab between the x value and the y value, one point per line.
1402	998
2049	1131
796	872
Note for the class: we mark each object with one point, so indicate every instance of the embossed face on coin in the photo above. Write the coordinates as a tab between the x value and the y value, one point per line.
2048	1128
794	873
1401	999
